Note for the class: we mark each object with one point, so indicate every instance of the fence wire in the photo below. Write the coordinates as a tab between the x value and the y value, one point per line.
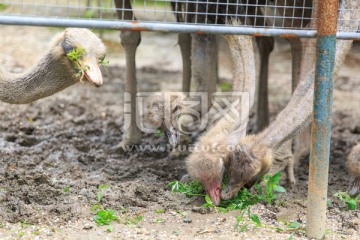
260	14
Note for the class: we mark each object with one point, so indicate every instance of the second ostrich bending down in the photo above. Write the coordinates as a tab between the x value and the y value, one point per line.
56	71
353	165
254	154
252	159
199	51
199	56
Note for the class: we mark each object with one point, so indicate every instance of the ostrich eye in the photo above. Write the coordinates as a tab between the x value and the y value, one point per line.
67	47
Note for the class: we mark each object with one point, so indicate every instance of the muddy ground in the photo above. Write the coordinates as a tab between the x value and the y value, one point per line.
54	153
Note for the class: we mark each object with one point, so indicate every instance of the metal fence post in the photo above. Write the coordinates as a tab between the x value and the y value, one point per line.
321	122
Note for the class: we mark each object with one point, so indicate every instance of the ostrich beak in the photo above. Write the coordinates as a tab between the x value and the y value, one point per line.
92	72
213	190
214	195
173	136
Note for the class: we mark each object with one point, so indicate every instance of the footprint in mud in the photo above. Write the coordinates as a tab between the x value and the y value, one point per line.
26	141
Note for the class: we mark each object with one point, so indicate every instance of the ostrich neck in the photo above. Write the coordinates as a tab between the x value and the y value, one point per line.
298	111
51	74
242	54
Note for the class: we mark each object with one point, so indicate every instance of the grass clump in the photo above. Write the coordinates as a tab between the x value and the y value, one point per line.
194	188
225	86
75	55
3	6
243	222
160	211
89	14
103	216
129	220
351	202
159	132
102	60
266	192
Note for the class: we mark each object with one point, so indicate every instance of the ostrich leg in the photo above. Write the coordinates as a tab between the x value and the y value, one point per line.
130	41
204	55
296	54
184	40
265	45
204	63
203	67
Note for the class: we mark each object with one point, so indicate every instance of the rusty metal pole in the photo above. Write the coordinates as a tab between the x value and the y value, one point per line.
321	122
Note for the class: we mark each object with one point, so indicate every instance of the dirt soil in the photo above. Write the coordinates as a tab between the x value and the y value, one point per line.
66	142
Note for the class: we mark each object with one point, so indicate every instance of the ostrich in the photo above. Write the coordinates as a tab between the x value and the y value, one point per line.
208	167
219	12
214	14
204	69
205	79
254	155
353	164
56	71
206	162
202	50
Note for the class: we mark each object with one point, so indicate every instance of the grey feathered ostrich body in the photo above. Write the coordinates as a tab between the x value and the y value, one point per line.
56	71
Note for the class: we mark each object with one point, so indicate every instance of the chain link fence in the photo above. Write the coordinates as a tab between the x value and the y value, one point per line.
256	17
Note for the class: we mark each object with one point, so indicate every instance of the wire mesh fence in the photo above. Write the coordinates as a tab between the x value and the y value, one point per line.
259	14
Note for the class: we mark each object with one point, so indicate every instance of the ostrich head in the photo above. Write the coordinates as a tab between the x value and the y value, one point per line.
353	164
74	55
246	165
164	115
208	167
83	50
355	188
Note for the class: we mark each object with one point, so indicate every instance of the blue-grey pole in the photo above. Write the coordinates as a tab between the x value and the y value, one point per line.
321	121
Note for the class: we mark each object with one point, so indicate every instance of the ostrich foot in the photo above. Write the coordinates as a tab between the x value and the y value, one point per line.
130	139
290	176
176	153
124	146
290	183
181	149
